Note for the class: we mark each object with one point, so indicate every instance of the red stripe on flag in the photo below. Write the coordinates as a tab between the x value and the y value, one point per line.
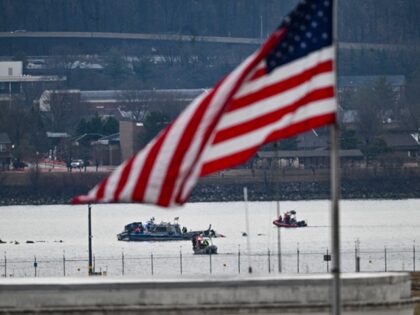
101	190
258	74
279	87
143	178
123	178
242	156
302	126
269	118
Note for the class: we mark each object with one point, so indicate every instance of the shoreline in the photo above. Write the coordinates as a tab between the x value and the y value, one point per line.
59	188
226	193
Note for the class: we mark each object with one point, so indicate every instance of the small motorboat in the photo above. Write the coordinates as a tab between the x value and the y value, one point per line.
289	220
208	250
203	246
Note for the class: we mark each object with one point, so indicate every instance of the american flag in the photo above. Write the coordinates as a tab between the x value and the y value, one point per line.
284	88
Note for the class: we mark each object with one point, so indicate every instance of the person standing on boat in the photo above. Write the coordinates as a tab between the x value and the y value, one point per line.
194	241
205	243
200	241
286	217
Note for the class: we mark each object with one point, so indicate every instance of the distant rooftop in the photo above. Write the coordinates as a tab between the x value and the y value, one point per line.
4	138
311	140
33	78
109	95
307	153
52	134
395	140
114	138
363	80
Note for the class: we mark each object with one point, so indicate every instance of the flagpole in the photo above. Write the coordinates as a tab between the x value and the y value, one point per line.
248	235
335	187
276	177
335	222
90	266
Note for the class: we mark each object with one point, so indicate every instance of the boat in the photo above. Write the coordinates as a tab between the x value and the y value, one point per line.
210	233
209	250
163	231
203	246
152	231
289	220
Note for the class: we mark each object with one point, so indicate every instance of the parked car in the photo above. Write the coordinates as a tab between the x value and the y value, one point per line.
36	64
19	165
77	164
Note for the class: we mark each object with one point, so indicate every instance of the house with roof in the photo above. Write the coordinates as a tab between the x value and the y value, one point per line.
5	151
107	150
405	144
312	140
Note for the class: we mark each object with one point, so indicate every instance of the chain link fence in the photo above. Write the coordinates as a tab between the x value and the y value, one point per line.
262	262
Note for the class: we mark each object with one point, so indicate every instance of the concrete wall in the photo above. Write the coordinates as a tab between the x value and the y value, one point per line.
129	134
378	293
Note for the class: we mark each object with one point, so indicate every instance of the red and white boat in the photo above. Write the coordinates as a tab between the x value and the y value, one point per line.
289	220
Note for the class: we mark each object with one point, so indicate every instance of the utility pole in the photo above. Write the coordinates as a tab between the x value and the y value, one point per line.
276	156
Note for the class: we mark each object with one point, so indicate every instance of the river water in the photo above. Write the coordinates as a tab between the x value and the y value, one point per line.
385	231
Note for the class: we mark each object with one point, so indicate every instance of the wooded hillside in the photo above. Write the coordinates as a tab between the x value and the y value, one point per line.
384	21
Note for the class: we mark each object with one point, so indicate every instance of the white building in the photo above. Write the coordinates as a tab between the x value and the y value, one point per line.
12	78
10	69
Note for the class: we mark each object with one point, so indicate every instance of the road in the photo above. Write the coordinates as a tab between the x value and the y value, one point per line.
186	38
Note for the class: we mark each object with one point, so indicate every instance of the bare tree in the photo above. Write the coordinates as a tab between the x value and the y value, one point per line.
135	102
168	102
62	61
65	110
369	116
411	112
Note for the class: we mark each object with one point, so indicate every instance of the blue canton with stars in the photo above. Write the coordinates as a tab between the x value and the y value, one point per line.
308	28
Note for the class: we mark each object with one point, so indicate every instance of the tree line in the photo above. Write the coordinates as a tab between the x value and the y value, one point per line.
383	21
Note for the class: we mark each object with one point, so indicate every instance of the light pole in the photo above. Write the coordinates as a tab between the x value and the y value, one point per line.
37	161
13	155
10	95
